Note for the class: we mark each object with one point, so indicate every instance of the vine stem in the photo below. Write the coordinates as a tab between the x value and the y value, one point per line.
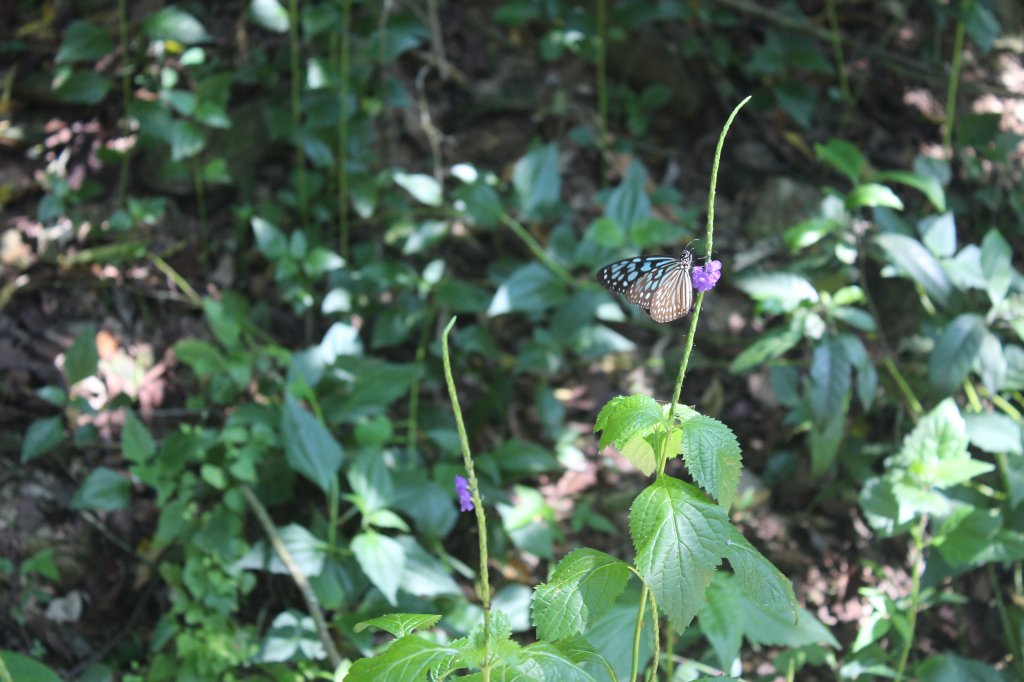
481	520
917	533
954	80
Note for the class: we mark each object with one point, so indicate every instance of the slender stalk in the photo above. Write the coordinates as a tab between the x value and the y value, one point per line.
345	73
837	50
481	520
308	595
1003	404
652	675
602	84
1009	632
414	390
954	80
635	667
916	409
126	100
537	249
917	533
296	102
710	239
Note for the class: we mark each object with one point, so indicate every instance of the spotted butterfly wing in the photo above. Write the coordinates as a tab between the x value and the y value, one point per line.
661	285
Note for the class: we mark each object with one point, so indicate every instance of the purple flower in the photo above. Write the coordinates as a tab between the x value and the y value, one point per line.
462	490
705	277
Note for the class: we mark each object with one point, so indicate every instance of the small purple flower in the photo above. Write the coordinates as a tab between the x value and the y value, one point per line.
462	490
705	277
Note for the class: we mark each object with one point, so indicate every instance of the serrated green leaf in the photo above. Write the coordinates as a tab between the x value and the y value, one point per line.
105	490
382	560
639	451
678	535
625	417
956	351
935	453
763	584
712	456
583	587
309	447
400	624
913	260
408	658
42	436
136	444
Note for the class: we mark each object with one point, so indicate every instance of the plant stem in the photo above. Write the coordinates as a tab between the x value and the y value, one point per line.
652	675
308	595
345	74
481	520
296	102
537	249
917	533
954	80
637	630
710	238
602	84
414	389
916	409
837	50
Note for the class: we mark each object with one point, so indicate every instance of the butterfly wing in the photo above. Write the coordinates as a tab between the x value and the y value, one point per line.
621	276
673	297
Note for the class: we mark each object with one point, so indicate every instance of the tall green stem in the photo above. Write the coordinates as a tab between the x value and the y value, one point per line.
837	50
917	533
344	72
954	79
296	102
481	520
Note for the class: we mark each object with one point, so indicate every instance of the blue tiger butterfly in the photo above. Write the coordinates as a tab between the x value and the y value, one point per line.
661	285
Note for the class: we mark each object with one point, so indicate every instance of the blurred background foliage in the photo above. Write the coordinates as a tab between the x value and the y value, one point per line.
232	231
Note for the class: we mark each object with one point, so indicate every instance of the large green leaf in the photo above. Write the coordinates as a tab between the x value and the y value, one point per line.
583	587
400	624
382	560
174	23
760	580
408	658
137	445
721	619
679	539
83	41
310	448
21	667
956	351
307	551
625	417
994	432
628	203
996	266
531	288
828	386
778	292
292	636
935	453
42	436
83	357
104	489
913	260
561	663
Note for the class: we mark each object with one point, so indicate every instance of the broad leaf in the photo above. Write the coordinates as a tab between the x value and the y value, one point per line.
628	203
583	587
955	352
42	436
382	560
408	658
760	580
105	490
310	448
679	539
137	445
82	357
537	179
994	432
913	260
625	417
712	456
83	41
828	388
995	265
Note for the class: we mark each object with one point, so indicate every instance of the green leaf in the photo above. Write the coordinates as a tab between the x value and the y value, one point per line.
950	667
583	587
226	317
292	636
842	156
382	560
21	667
823	441
400	624
712	456
995	265
809	232
995	433
770	346
624	417
955	352
781	629
604	231
173	23
370	480
202	357
42	436
968	536
537	180
778	292
721	619
83	357
531	288
679	540
640	450
628	203
482	203
935	452
982	25
867	375
187	139
82	87
269	240
991	364
408	658
938	233
560	663
105	490
307	550
425	576
926	184
310	448
913	260
828	382
137	445
424	188
760	580
269	14
83	41
872	194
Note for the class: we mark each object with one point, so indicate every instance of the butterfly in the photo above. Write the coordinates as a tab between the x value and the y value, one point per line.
661	285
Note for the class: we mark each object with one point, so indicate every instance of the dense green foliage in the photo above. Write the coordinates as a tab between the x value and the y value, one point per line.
293	199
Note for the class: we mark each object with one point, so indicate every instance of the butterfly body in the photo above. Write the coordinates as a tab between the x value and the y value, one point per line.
661	285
